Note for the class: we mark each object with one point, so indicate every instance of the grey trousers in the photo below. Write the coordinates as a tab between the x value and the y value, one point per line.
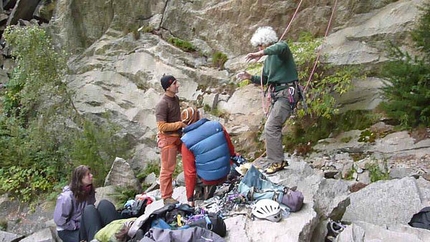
280	112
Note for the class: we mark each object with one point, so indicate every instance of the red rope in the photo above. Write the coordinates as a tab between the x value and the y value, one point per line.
289	24
319	51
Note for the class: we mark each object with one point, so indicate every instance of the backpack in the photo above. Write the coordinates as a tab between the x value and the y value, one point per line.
169	213
293	199
134	208
421	219
255	186
210	221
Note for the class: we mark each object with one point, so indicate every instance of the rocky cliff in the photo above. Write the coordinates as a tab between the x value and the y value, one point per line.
120	51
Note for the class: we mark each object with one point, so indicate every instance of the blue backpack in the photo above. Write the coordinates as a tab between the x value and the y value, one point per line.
255	186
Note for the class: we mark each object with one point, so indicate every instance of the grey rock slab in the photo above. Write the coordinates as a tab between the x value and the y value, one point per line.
385	202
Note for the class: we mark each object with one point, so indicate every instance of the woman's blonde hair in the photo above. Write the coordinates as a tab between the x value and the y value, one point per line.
264	36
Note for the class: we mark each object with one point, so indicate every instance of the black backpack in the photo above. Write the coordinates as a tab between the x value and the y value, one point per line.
212	222
167	213
137	209
421	219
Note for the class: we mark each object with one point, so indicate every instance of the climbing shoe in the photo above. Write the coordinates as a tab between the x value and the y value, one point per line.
199	193
170	201
209	191
274	168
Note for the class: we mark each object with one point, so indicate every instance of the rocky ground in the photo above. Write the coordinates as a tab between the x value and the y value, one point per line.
335	182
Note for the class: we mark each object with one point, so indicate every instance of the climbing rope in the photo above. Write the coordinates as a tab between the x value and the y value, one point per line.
319	51
289	24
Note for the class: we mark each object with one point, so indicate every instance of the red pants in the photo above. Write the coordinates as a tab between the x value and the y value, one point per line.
170	147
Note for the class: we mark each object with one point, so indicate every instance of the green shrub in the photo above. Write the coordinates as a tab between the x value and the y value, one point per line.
39	71
3	225
407	79
178	169
30	181
326	81
219	59
309	130
346	139
155	167
376	173
97	146
350	174
182	44
407	89
146	29
421	33
367	136
122	195
151	167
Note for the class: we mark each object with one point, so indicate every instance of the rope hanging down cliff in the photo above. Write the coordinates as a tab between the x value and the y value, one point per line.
319	51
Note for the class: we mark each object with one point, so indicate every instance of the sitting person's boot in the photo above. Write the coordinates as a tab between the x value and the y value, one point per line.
209	191
199	193
274	167
170	201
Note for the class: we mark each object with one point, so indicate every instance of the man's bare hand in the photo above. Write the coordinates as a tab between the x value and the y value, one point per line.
254	56
244	75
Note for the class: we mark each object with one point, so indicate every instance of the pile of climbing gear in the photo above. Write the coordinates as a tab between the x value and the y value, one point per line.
255	196
182	216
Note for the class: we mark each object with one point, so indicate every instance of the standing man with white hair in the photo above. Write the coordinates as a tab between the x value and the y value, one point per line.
280	75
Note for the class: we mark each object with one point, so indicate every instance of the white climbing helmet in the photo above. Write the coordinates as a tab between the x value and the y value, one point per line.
267	209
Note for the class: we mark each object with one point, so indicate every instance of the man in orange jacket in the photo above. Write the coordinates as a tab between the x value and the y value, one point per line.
168	117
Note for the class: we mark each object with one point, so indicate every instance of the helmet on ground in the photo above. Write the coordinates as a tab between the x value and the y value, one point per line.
267	209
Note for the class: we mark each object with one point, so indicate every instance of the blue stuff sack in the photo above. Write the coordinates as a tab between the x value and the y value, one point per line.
255	186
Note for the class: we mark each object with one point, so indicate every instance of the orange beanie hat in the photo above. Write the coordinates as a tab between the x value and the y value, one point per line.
190	115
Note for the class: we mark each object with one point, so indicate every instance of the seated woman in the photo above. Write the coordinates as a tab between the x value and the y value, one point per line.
71	203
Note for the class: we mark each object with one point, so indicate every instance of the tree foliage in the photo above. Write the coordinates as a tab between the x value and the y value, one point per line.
38	73
407	78
326	81
42	135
